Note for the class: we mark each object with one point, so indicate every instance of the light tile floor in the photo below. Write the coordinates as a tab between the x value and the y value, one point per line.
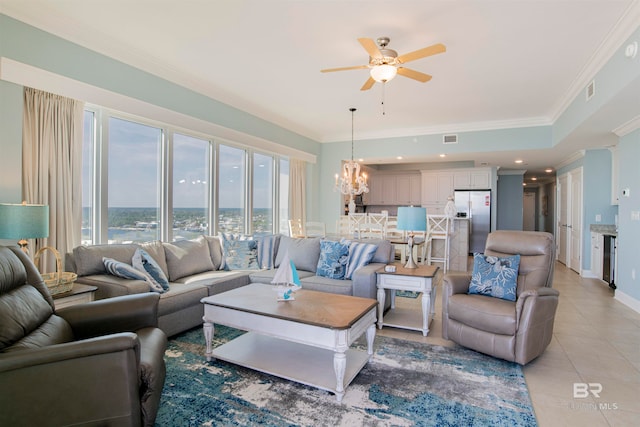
596	339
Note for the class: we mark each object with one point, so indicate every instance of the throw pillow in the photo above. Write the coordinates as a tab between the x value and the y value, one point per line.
266	250
239	254
187	257
360	254
303	252
494	276
126	271
142	261
333	259
229	237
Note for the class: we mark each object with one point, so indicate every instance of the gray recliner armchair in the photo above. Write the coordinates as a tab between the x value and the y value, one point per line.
515	331
99	363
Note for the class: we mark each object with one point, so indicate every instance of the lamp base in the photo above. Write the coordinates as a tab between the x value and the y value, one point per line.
410	262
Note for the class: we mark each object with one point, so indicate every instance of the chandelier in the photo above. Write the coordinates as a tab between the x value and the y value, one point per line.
351	183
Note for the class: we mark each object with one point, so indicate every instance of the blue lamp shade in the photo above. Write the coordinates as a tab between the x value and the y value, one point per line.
412	218
22	221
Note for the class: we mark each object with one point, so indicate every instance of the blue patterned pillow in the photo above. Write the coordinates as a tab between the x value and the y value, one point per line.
126	271
266	250
494	276
142	261
360	254
239	254
333	259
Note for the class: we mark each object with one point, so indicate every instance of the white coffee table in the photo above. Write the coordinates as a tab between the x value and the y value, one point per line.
307	340
408	279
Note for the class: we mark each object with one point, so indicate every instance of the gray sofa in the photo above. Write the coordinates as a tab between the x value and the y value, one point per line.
193	268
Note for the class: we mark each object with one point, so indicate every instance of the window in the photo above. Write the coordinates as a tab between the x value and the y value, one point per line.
283	200
262	217
231	189
191	186
133	181
144	181
88	147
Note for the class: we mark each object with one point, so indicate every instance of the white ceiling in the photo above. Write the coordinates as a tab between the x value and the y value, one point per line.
508	63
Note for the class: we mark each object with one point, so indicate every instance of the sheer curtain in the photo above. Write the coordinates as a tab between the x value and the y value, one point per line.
297	190
52	165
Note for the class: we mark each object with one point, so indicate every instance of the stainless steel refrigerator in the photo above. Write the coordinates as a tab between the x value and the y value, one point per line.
476	206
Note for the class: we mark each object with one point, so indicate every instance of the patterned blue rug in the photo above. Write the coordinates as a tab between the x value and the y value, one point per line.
407	294
407	384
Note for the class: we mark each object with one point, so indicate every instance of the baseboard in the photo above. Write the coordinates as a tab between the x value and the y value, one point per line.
588	274
627	300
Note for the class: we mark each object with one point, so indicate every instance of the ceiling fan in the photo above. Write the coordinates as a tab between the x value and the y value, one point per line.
385	63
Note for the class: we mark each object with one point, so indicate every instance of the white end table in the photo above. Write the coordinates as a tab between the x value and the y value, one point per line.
408	279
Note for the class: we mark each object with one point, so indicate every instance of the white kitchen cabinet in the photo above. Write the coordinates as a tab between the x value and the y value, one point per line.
394	189
437	186
472	179
597	246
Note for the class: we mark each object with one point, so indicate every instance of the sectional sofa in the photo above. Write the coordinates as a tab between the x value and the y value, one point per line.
197	268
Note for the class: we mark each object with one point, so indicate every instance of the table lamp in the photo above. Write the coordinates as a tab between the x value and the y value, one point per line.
23	221
412	219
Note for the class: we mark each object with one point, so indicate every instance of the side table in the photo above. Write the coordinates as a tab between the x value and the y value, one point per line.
408	279
78	295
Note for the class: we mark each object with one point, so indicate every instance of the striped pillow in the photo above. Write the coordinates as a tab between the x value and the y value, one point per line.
360	254
266	250
126	271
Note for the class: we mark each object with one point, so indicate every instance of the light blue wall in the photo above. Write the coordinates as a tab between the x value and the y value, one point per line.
596	196
629	231
511	202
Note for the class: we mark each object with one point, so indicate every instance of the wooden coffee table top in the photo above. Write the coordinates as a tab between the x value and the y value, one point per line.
323	309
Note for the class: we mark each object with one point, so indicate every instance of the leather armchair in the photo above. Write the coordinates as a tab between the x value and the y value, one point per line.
99	363
515	331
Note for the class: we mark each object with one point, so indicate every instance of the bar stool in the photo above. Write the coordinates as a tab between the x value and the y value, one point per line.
438	226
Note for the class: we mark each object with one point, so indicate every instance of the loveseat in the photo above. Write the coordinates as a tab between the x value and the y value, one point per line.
199	268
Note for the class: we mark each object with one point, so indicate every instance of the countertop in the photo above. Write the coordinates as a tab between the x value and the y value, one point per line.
606	229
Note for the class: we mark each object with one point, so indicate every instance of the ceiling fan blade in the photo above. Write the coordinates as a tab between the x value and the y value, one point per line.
368	84
421	53
371	47
355	67
413	74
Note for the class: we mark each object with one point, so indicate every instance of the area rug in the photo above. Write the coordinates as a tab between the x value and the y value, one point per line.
407	384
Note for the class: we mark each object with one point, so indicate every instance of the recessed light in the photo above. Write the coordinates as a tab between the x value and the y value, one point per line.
548	170
519	161
534	179
361	160
443	155
399	157
524	184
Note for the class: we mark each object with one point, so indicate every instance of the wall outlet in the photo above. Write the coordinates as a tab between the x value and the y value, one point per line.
635	215
598	218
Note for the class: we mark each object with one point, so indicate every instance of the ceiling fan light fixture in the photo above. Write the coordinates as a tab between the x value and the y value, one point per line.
383	73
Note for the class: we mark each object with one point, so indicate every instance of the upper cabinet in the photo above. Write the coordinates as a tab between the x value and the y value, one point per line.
472	179
438	185
394	189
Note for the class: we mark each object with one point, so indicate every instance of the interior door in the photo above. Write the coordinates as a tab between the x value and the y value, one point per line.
529	211
575	222
562	222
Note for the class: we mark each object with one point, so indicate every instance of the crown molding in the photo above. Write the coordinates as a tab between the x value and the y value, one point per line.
623	29
575	156
627	127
